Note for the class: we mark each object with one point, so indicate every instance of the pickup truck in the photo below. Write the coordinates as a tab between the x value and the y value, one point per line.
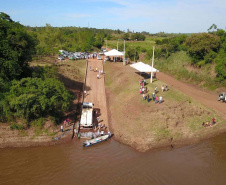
87	115
222	97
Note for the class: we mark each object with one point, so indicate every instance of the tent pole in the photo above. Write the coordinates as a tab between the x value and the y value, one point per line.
152	63
124	62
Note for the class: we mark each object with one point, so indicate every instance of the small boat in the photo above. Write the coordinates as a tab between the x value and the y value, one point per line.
96	140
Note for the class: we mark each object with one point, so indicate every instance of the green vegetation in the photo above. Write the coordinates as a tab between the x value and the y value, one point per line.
27	94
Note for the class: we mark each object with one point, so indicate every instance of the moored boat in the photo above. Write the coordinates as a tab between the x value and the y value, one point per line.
96	140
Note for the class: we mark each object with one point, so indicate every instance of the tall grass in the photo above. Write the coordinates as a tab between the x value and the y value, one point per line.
177	65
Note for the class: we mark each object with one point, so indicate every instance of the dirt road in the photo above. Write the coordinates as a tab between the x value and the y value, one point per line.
206	98
96	90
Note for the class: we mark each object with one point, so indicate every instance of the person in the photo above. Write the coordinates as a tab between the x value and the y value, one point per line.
166	87
141	85
143	90
144	81
156	99
65	123
153	96
75	132
102	133
144	96
140	91
96	69
213	121
68	121
61	128
109	133
98	119
84	93
160	99
155	90
148	98
163	88
98	76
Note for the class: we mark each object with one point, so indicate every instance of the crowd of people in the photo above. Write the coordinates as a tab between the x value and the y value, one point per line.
144	92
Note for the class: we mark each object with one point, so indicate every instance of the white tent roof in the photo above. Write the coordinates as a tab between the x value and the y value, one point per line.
140	66
113	52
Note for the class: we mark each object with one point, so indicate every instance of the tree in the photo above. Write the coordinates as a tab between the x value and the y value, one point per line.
126	36
16	48
201	44
33	98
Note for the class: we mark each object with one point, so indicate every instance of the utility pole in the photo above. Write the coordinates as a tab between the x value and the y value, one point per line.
152	63
117	45
124	62
135	55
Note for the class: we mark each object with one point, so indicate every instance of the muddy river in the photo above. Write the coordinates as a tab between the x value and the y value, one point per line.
113	163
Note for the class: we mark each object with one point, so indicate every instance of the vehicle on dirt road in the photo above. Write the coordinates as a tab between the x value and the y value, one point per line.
222	97
87	115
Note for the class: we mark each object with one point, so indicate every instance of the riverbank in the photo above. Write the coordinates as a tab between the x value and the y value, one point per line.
145	125
134	122
71	73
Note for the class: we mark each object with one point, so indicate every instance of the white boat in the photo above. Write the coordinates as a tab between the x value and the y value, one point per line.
96	140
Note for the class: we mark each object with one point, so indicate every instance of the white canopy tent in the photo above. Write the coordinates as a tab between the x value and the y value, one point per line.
140	66
114	52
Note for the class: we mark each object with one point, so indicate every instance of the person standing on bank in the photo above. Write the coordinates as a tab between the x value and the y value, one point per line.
148	98
61	128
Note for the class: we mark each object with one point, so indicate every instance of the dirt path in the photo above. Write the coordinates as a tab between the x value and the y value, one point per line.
96	90
206	98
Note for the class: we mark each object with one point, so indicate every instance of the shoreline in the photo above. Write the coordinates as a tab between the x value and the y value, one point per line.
121	136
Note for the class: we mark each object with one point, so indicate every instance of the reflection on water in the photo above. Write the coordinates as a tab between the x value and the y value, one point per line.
114	163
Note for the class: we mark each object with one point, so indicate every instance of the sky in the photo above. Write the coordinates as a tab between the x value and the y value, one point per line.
153	16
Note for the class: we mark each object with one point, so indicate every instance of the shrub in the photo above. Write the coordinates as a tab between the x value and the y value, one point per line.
16	126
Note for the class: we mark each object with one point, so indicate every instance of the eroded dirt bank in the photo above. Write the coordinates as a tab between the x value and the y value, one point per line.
145	125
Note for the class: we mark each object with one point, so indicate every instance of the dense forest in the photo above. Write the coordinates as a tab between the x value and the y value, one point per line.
26	93
30	94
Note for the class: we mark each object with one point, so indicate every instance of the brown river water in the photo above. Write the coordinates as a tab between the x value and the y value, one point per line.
112	163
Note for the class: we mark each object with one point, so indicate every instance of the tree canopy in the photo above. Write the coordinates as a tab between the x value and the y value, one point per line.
16	48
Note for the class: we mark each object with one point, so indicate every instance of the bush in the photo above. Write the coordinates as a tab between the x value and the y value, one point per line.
39	123
16	126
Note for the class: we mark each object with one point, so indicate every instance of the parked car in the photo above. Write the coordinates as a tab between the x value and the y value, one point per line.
222	97
60	58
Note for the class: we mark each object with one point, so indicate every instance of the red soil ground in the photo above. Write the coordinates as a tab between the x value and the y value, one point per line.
210	99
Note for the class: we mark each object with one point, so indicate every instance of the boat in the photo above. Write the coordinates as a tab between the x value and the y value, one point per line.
94	141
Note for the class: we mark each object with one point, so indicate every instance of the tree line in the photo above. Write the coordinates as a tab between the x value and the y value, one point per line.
27	93
203	48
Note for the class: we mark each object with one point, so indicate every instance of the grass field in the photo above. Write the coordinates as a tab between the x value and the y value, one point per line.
144	124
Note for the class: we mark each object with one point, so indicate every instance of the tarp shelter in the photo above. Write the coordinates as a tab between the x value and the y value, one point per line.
140	66
114	52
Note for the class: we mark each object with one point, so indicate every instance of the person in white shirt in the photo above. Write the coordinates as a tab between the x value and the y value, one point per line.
160	99
102	133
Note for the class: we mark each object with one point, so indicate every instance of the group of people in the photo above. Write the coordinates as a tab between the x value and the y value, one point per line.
100	72
208	123
144	90
66	122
